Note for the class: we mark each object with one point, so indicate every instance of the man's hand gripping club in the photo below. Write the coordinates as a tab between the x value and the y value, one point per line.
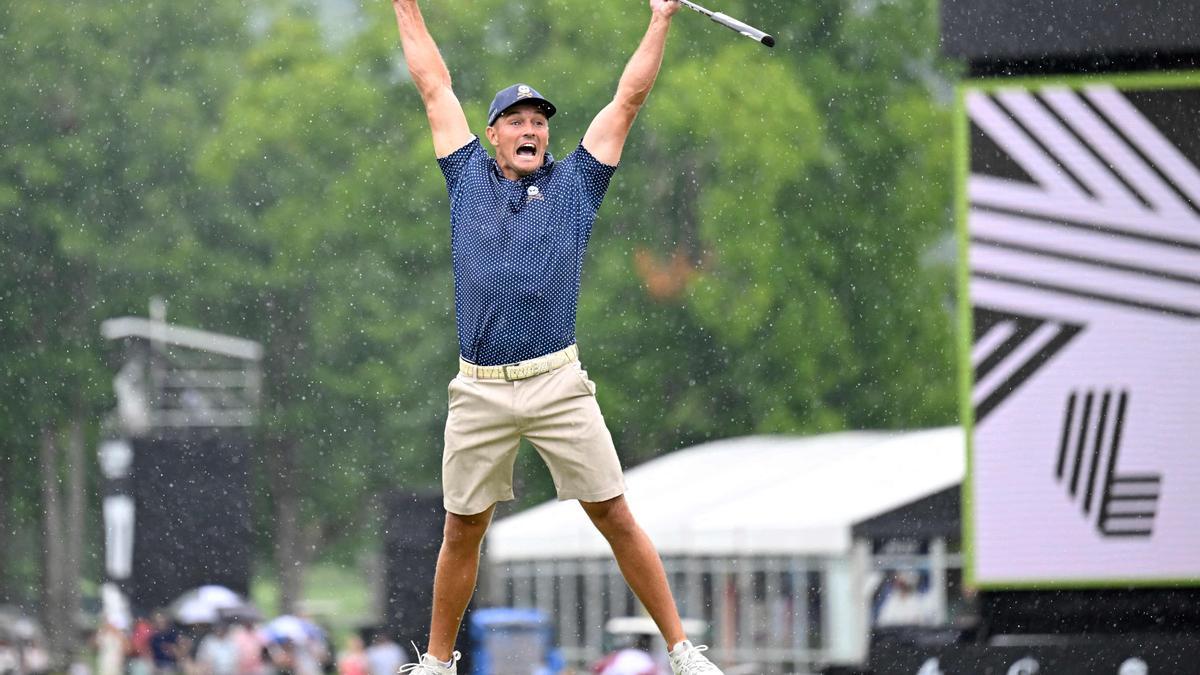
605	138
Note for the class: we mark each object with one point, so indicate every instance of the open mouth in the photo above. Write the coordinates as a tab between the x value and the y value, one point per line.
527	150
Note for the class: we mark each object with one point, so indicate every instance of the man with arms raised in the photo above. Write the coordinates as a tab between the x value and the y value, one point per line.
520	224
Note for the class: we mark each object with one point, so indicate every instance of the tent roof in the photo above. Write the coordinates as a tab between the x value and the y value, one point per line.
754	495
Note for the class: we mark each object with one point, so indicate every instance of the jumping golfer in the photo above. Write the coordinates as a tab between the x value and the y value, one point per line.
519	228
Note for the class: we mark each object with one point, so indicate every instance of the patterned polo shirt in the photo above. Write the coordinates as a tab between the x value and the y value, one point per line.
518	251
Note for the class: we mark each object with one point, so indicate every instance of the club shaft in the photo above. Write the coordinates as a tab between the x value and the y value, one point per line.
732	23
696	8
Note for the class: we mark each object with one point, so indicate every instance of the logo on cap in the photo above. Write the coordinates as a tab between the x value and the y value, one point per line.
524	91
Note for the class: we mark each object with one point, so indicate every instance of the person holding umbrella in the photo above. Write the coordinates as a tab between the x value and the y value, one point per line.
520	225
166	645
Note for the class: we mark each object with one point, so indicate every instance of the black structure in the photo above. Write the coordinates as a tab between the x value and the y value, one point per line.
193	505
412	538
936	515
177	504
1035	36
1095	612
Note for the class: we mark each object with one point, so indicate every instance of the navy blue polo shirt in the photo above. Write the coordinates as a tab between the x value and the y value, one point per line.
518	251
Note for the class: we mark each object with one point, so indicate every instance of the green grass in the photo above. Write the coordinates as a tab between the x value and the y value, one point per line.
336	596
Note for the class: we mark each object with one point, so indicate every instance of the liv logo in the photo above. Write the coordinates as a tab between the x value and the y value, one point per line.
1124	505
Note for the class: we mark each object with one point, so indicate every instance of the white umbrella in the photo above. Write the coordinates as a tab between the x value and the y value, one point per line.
288	628
204	604
194	610
219	596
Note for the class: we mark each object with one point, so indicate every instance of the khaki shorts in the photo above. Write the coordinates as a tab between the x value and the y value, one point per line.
556	411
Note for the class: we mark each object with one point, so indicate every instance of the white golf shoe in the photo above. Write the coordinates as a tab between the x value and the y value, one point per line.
429	665
687	659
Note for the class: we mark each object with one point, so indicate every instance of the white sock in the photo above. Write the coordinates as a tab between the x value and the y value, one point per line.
680	646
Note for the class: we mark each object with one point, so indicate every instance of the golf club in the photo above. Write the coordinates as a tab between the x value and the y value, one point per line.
732	23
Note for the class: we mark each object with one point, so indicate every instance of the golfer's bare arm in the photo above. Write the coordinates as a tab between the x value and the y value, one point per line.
605	138
432	78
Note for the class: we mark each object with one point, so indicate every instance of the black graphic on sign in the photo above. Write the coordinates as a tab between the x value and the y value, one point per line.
1125	504
1080	198
1008	349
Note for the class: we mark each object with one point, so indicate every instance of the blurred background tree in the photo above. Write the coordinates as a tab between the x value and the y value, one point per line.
97	210
769	258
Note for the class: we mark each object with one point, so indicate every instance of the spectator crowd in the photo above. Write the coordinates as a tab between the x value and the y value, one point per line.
287	645
239	643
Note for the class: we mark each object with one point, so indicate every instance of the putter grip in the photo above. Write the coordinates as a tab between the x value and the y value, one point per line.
745	29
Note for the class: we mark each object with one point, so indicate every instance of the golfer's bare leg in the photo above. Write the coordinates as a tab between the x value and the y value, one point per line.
454	580
639	563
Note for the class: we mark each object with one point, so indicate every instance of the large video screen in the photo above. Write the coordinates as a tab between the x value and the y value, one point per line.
1082	217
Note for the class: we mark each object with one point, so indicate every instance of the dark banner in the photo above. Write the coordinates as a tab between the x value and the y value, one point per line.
1099	655
1130	610
986	30
192	515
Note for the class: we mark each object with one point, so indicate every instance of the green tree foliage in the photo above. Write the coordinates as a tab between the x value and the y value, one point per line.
336	242
102	106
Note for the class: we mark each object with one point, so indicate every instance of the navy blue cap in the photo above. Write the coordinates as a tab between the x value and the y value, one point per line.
518	93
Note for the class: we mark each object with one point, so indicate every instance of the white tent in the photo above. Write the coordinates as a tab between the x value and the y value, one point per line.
756	495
